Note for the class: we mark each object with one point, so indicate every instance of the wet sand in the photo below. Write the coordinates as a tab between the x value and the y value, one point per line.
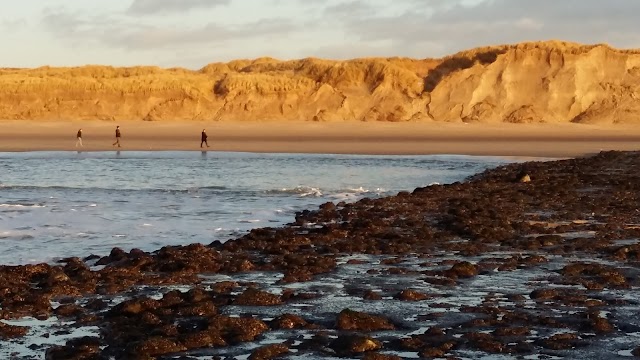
541	140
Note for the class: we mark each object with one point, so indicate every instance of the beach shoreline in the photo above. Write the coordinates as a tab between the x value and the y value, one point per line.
372	138
488	266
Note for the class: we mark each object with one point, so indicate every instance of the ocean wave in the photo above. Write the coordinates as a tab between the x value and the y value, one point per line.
301	191
15	235
249	221
309	191
193	189
21	206
362	190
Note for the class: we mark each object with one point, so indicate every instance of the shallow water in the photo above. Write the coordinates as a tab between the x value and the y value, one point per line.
61	204
497	292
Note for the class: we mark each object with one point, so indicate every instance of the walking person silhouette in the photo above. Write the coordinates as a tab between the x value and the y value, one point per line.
117	137
79	137
203	139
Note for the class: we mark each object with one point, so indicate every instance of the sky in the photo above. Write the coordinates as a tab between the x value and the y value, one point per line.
193	33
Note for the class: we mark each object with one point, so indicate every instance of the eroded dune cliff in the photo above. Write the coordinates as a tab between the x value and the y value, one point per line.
531	82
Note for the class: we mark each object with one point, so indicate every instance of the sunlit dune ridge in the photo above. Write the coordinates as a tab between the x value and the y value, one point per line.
539	82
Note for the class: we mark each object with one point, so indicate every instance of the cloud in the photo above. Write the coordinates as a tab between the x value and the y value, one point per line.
156	37
133	35
350	8
13	24
150	7
461	24
336	28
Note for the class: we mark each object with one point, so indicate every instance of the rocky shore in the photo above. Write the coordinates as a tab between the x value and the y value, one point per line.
537	260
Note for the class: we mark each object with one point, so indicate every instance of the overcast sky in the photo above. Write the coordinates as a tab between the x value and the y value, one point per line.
192	33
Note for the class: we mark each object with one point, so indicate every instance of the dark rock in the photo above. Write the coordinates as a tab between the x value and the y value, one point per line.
269	352
349	345
464	269
329	206
254	297
81	349
288	321
599	324
378	356
411	295
202	339
69	310
135	306
154	347
432	353
12	331
237	330
543	294
372	295
353	320
224	287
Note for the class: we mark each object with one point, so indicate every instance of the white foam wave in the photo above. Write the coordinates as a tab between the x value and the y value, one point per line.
309	191
359	190
353	194
301	191
15	235
249	221
20	206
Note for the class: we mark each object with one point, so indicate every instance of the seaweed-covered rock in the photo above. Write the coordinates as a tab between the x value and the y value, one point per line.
288	321
347	345
353	320
255	297
411	295
269	352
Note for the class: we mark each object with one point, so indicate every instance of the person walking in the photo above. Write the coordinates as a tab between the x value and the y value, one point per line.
79	137
117	137
203	138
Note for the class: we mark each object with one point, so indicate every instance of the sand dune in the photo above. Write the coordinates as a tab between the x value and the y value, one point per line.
544	82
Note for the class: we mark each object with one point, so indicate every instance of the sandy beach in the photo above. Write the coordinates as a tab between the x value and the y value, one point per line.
539	140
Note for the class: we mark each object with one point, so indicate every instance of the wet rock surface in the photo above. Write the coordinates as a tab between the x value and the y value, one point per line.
483	267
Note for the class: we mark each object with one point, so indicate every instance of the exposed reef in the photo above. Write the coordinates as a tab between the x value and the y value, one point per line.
491	265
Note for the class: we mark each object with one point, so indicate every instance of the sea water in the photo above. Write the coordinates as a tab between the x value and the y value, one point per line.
61	204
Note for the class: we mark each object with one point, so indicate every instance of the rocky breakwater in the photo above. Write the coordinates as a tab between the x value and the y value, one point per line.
493	265
553	82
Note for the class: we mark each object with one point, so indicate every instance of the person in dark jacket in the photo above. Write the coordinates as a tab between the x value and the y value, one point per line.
203	139
79	137
117	137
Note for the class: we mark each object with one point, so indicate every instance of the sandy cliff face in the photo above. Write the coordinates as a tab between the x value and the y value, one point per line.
531	82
